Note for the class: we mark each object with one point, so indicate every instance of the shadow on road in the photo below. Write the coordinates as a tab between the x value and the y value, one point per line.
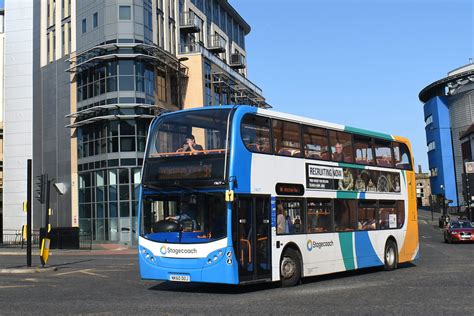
243	289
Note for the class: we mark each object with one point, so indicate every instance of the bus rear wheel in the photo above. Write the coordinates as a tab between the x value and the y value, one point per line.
290	268
390	256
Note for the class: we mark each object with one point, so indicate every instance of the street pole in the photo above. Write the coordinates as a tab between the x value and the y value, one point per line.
28	212
48	186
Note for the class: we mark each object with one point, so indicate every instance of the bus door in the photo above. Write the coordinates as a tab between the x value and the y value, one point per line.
252	237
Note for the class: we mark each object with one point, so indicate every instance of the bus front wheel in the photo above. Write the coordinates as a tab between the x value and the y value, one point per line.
391	252
290	268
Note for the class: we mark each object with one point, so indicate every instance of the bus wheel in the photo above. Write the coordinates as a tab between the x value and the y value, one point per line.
290	268
390	255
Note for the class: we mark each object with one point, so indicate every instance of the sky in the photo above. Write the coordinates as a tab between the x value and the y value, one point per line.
358	63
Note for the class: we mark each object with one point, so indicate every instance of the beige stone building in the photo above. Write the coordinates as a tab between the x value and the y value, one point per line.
423	188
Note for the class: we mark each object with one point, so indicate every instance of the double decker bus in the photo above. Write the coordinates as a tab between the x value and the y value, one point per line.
237	194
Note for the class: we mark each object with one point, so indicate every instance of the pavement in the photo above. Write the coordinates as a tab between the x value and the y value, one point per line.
20	266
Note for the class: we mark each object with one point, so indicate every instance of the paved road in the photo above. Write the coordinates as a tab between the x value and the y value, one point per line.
442	282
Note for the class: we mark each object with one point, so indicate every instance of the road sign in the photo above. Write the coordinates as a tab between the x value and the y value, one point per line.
469	167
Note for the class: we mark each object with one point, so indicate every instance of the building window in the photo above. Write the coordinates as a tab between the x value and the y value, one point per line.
84	26
431	146
125	12
95	20
434	172
428	120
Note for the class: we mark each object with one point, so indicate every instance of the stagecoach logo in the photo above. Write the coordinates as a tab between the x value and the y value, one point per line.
163	250
174	251
313	244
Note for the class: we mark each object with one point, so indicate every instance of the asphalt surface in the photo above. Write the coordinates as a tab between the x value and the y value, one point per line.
441	282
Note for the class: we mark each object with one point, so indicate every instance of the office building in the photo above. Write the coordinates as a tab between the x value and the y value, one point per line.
449	112
102	69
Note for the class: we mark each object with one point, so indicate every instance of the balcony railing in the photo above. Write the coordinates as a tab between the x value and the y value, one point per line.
237	61
216	44
190	22
190	48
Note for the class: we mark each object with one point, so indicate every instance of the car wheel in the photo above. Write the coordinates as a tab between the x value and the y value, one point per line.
390	255
290	268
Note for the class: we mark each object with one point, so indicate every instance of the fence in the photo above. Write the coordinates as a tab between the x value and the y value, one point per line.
14	239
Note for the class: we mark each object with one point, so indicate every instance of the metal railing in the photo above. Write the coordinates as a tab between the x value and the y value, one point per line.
189	20
216	42
14	239
190	48
237	60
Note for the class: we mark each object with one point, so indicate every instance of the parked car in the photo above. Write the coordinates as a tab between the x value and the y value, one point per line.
459	231
443	220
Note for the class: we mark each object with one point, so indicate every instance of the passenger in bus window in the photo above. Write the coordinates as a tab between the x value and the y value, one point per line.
280	220
338	155
190	145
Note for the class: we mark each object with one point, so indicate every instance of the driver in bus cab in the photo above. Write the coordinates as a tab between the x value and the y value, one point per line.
190	145
185	217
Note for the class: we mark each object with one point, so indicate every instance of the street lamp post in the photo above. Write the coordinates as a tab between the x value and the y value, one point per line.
444	199
178	81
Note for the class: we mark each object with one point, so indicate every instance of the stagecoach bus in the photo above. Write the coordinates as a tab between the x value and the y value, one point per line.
238	194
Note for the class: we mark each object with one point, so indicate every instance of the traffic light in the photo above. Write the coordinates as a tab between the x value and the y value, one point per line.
41	182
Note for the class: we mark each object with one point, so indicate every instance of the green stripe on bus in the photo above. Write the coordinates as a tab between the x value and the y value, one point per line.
404	179
367	133
349	165
345	239
347	194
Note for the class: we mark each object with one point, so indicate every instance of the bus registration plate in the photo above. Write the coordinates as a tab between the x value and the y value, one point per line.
180	278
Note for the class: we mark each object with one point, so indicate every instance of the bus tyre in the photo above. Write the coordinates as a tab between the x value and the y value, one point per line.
290	268
390	256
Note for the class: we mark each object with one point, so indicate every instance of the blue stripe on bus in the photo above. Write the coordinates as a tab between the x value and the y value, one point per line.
365	252
274	216
241	158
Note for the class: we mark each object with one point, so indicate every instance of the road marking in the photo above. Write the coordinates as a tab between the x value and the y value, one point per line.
83	271
14	286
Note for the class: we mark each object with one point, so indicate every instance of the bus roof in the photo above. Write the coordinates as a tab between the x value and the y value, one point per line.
302	119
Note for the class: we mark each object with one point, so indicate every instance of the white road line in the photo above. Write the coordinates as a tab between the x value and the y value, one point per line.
83	271
14	286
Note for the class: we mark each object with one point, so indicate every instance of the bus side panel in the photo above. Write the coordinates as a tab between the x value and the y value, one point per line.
410	248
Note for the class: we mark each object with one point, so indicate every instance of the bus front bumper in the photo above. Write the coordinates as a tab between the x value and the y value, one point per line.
219	266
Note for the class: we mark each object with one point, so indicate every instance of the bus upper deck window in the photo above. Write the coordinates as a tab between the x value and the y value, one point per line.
316	143
402	156
363	150
341	146
286	138
256	133
383	154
